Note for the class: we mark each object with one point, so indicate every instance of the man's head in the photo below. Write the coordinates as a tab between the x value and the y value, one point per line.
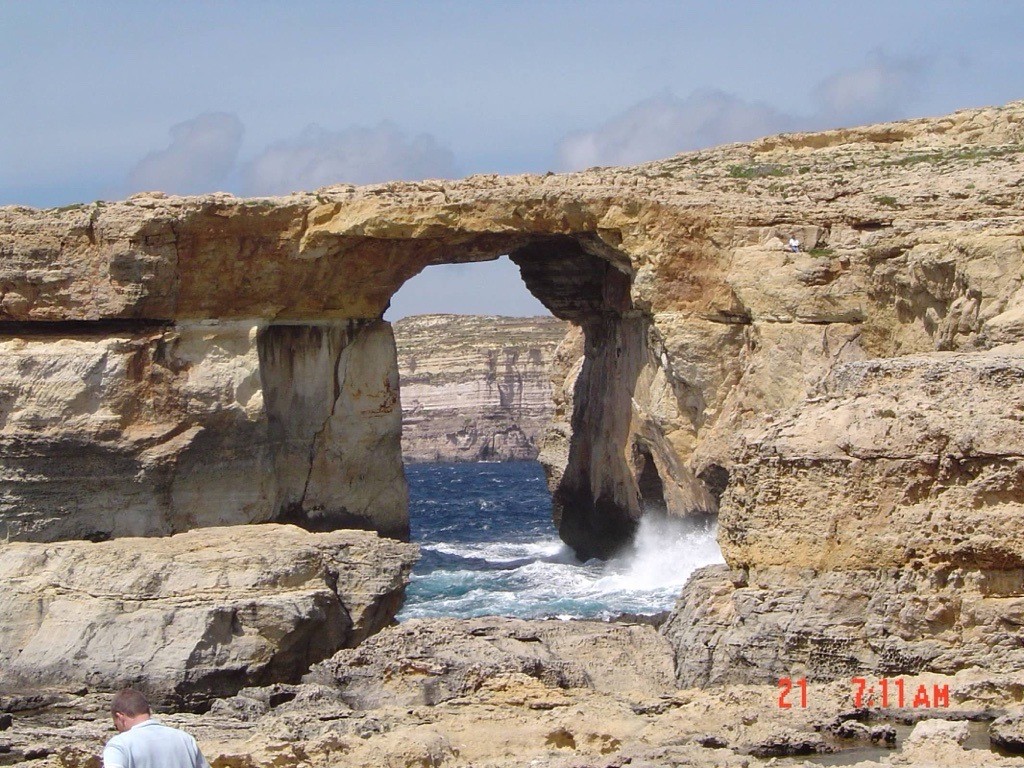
128	708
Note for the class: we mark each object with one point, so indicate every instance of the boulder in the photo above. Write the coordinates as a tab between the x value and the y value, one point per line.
196	615
938	730
429	661
1007	732
784	742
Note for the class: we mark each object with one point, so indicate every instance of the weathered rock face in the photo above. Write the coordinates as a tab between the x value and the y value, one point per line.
331	395
452	658
876	528
916	459
127	431
475	388
116	431
192	616
697	329
831	625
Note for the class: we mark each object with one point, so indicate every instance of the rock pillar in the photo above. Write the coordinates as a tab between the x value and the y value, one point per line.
334	425
597	501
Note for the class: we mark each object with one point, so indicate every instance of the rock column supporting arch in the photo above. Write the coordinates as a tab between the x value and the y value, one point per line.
594	481
597	500
335	425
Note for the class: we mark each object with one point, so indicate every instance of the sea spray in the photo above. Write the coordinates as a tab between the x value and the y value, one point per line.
664	552
489	548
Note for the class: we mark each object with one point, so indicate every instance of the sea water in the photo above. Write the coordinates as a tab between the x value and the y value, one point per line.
488	547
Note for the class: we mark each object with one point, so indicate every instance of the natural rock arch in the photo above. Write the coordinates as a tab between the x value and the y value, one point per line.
818	395
327	453
596	497
241	350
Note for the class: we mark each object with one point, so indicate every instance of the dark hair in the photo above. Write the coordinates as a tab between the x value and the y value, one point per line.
129	702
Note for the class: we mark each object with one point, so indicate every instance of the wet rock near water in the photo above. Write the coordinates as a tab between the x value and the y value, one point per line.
784	742
1007	733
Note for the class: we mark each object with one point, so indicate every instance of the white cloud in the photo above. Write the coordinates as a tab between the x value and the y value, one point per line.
356	155
878	90
665	125
201	155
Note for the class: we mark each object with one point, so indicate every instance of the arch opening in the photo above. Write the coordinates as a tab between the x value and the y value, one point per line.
332	396
649	483
609	482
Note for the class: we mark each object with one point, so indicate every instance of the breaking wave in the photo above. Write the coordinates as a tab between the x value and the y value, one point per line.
488	548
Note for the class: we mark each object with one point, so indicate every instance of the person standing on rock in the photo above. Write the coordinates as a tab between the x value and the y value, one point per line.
144	742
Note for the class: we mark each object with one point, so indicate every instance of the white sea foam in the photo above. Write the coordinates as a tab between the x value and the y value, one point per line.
664	553
545	579
501	551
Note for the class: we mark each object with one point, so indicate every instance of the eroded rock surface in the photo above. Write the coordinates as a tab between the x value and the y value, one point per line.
872	529
474	387
192	616
890	463
428	661
120	431
1007	732
115	431
618	713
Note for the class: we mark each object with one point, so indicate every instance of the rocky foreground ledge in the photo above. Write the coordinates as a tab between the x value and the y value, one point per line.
501	693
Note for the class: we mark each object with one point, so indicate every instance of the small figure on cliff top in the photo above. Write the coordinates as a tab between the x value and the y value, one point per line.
144	742
794	244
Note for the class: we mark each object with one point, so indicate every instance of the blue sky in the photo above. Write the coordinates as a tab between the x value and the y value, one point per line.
106	98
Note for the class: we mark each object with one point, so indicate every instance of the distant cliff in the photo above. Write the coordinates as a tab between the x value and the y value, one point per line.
475	388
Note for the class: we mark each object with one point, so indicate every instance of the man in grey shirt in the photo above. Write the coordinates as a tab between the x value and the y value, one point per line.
144	742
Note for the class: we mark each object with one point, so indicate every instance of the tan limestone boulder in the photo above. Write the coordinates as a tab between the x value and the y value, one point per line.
195	615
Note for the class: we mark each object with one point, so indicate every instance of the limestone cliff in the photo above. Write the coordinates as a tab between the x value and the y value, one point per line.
134	429
224	361
475	388
899	484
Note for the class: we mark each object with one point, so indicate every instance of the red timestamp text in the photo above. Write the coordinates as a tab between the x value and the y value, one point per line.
894	692
883	692
786	685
